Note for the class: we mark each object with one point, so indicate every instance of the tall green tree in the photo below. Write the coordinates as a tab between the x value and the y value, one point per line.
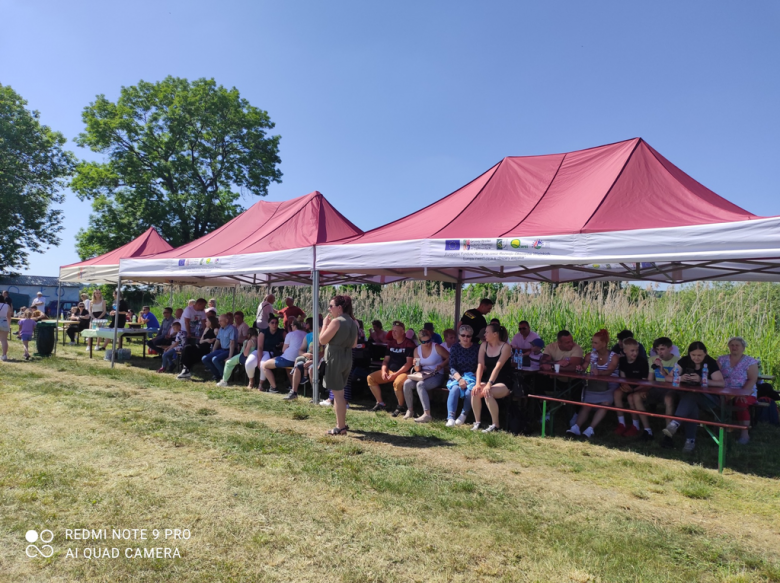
34	169
178	155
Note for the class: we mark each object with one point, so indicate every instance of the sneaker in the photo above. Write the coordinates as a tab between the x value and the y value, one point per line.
620	429
377	407
71	344
161	369
631	432
223	383
574	430
328	403
398	410
476	425
671	429
461	419
450	423
184	374
743	440
291	396
4	358
646	436
424	419
667	442
690	445
409	414
490	429
273	390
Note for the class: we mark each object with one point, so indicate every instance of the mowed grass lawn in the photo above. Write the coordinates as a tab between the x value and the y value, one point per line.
268	497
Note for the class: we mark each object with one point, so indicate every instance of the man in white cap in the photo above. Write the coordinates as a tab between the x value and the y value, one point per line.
38	303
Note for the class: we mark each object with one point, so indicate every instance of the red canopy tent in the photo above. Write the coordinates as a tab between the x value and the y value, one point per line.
105	268
615	212
270	243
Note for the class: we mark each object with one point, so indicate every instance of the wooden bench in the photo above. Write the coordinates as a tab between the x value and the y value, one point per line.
720	440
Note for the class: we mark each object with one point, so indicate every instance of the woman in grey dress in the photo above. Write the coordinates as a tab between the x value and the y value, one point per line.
339	335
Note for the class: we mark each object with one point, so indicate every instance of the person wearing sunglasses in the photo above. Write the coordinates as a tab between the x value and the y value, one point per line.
432	361
339	335
522	340
463	369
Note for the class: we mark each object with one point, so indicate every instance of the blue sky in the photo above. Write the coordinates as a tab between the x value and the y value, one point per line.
386	107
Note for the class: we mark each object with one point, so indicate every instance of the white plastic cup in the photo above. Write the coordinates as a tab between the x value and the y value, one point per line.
557	367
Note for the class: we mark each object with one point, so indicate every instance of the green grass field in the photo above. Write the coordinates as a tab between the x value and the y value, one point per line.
268	497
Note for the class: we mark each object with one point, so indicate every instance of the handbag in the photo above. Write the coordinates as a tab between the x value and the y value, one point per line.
420	376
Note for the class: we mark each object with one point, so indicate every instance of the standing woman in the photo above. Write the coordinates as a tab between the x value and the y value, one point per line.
339	336
494	375
5	327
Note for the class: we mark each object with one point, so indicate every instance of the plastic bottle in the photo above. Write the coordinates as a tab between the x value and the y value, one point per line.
705	381
594	359
676	376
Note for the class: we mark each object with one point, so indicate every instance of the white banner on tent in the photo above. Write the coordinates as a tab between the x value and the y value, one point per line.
756	239
242	266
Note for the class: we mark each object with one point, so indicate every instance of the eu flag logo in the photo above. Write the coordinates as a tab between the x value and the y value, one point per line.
452	245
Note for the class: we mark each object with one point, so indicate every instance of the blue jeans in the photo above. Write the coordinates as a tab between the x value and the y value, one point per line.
169	358
452	403
689	407
215	362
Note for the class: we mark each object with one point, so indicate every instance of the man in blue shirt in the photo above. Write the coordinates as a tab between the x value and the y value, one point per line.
148	318
223	349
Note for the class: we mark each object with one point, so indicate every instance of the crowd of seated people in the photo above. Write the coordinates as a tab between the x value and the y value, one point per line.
663	366
474	364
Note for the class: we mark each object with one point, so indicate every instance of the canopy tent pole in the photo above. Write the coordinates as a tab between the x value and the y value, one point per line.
170	302
315	329
116	319
458	292
57	322
234	298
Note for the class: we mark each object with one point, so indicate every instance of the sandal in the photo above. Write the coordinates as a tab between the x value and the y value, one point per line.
337	431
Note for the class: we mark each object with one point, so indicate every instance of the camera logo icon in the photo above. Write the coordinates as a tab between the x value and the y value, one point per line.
45	550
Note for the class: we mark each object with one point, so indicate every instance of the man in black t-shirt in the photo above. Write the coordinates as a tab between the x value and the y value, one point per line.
476	318
396	365
632	366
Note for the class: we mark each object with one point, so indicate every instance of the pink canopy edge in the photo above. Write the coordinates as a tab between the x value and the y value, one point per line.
617	187
272	226
149	243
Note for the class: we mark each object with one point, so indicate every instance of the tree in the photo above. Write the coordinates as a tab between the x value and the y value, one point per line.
33	170
177	151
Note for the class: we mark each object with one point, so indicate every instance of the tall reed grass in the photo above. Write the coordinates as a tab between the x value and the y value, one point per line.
706	312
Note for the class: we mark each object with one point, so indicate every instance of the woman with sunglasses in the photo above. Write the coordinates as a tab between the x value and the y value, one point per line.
494	376
463	370
339	336
432	361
